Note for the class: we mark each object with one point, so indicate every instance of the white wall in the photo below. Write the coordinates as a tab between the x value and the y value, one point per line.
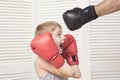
98	41
15	35
105	46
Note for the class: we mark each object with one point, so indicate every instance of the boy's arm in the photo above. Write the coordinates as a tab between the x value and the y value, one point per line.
70	53
45	47
65	70
76	71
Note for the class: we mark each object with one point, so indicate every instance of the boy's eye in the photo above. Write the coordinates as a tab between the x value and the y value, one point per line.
59	35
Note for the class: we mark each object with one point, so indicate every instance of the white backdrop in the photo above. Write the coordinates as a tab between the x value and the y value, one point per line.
98	41
15	35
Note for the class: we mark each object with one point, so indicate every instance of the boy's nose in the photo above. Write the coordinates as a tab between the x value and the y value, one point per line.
63	37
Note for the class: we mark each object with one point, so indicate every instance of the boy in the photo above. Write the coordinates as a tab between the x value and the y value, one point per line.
57	53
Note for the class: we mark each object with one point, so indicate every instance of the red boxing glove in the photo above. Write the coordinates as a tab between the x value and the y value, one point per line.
44	46
70	50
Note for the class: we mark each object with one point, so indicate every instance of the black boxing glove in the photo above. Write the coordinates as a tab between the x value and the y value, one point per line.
77	17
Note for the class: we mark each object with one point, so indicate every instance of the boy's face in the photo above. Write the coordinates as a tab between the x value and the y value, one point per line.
58	38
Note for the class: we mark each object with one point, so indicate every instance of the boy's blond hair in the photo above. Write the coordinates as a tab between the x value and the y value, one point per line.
48	26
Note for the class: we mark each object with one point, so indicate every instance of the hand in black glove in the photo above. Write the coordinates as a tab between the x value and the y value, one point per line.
77	17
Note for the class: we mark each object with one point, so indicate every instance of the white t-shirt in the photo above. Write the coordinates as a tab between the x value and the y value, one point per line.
50	76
